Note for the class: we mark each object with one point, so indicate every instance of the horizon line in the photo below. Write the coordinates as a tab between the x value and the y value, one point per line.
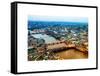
58	19
55	21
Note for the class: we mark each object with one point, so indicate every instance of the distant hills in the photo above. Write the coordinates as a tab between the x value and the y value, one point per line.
45	24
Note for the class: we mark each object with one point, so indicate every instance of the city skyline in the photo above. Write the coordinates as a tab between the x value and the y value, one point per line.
57	38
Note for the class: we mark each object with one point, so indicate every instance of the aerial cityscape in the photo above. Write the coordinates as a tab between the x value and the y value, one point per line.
57	38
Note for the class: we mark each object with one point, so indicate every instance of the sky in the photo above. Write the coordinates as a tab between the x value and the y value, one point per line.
58	18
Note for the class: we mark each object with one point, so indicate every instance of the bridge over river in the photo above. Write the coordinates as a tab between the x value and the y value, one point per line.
63	45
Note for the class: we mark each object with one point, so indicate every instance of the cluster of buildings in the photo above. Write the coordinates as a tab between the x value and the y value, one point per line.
74	35
36	43
59	33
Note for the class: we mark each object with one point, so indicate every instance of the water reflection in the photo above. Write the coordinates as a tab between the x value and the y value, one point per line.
71	54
